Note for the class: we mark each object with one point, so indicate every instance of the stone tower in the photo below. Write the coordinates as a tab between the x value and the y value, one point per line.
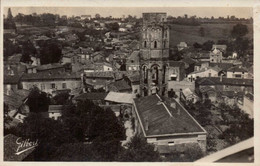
154	53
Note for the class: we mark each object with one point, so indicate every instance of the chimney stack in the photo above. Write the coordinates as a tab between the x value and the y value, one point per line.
146	124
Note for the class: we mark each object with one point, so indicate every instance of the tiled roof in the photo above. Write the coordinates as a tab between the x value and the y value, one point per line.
225	81
9	79
250	96
163	119
237	69
134	78
121	85
134	56
50	66
50	76
55	108
91	96
100	74
223	66
119	97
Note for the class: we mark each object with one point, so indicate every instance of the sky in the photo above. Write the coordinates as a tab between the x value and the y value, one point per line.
239	12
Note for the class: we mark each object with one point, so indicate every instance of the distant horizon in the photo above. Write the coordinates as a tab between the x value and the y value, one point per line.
238	12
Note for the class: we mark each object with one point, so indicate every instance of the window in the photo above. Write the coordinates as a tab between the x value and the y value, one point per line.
135	91
171	143
53	85
130	68
164	44
155	44
64	86
94	80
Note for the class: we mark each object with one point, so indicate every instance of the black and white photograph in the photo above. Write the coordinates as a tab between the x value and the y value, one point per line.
128	84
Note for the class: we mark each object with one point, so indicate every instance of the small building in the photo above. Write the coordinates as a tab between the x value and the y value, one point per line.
55	111
99	79
189	96
216	55
49	82
205	72
176	71
119	86
165	122
132	62
189	64
237	72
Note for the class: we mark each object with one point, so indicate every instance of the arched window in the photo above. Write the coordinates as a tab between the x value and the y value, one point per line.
155	74
155	44
145	44
164	44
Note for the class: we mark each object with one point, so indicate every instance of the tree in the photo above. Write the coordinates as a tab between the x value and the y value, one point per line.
202	31
239	30
113	26
28	50
49	133
189	153
38	101
50	52
139	150
99	126
61	99
207	46
197	45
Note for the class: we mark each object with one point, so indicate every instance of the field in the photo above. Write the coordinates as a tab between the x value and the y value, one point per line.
190	34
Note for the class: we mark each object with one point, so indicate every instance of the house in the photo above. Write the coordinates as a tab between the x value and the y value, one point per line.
132	62
237	72
55	111
134	81
216	55
16	102
189	96
165	122
176	70
102	67
49	82
200	65
119	86
97	56
99	79
205	72
181	46
207	92
98	98
119	103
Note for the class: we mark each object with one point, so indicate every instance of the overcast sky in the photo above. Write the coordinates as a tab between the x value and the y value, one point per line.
240	12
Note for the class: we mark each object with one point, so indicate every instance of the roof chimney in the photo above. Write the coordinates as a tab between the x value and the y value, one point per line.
146	124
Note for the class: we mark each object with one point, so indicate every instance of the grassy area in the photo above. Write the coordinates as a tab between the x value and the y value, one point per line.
215	32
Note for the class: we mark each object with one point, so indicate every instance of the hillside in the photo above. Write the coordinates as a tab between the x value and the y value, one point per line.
190	34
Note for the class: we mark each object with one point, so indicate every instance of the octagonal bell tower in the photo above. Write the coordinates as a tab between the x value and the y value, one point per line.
154	54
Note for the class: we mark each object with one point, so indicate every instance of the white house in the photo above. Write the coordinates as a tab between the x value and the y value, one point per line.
55	111
206	72
237	72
